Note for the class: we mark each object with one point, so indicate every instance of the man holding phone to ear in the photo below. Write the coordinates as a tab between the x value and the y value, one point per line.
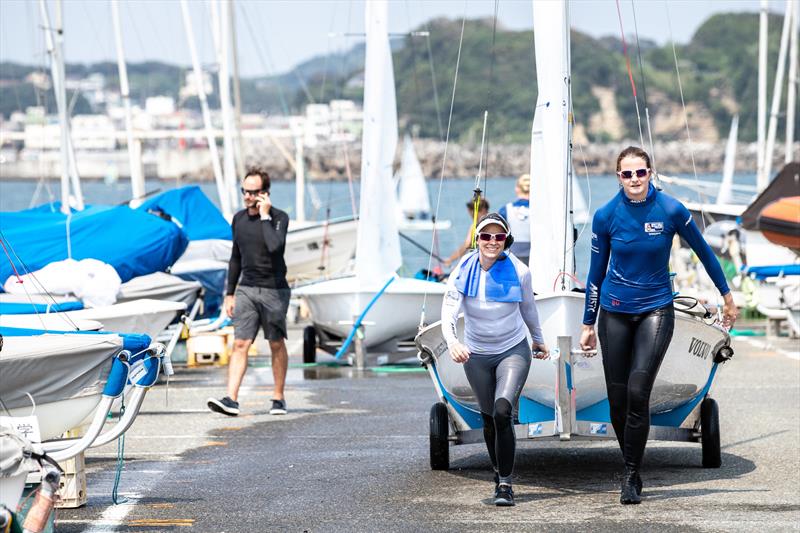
258	293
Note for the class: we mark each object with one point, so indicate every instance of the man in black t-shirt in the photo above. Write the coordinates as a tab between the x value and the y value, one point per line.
258	293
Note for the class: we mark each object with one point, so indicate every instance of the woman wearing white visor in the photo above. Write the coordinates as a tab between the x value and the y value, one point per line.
493	288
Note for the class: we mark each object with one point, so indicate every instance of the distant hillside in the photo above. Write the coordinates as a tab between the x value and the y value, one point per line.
718	73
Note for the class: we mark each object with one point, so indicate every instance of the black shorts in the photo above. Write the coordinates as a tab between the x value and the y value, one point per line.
260	307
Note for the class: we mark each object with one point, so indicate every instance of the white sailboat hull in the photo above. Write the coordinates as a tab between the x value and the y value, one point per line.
307	256
683	375
335	304
77	369
150	317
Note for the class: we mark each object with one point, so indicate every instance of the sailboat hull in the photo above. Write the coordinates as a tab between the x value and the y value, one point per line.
335	304
64	374
684	375
307	255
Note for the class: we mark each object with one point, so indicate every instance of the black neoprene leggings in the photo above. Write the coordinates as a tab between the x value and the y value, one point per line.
633	348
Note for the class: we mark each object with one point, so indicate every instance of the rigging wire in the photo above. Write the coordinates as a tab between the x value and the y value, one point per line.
489	95
267	64
630	73
444	156
644	95
685	114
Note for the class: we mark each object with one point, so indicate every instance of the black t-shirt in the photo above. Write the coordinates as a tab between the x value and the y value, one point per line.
257	251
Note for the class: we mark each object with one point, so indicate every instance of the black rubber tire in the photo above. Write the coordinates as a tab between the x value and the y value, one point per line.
709	433
309	344
440	445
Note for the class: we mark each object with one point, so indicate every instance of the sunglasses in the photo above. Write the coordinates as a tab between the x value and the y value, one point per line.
499	237
255	192
628	174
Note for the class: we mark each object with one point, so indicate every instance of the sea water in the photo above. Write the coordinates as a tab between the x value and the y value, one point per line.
335	200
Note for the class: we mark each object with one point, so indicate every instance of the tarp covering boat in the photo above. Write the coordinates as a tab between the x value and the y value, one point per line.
134	242
190	209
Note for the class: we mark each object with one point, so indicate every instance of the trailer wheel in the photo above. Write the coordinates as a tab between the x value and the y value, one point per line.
440	446
709	433
309	344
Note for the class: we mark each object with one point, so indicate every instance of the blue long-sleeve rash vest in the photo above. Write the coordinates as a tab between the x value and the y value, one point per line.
638	236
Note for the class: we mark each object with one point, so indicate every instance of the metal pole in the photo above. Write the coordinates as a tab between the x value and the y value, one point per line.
137	179
563	394
57	87
791	91
74	179
237	96
228	165
201	94
300	181
761	176
777	90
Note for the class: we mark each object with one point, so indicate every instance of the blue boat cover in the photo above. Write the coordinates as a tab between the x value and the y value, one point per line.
763	272
27	308
134	242
193	211
133	342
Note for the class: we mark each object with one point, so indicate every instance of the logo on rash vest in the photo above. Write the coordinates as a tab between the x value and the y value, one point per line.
615	303
653	228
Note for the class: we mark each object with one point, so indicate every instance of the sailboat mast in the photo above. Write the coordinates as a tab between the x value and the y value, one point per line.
237	96
761	176
726	188
551	163
228	165
137	179
777	91
791	91
222	191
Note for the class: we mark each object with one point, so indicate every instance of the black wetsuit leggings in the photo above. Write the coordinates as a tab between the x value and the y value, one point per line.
633	348
497	381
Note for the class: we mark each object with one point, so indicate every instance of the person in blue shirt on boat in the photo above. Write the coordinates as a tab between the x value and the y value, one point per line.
516	213
494	290
258	293
629	294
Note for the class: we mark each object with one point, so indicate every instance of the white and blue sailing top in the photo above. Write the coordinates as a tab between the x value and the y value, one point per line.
638	237
498	304
516	214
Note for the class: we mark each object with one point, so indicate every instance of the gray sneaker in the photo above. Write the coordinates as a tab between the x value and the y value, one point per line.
226	406
278	407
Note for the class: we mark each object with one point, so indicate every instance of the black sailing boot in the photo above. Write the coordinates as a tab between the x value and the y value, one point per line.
628	489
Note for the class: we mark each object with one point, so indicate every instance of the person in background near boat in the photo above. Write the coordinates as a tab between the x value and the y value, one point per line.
516	213
483	209
494	290
635	230
261	297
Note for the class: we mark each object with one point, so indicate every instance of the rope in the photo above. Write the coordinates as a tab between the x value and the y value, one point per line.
630	73
120	461
685	114
444	156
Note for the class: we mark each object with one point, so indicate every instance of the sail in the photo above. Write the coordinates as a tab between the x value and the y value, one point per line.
725	195
378	243
414	201
551	229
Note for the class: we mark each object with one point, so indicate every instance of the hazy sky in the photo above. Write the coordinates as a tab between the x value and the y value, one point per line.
288	32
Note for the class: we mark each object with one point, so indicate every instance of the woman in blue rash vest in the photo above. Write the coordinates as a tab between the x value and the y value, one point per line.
635	229
493	288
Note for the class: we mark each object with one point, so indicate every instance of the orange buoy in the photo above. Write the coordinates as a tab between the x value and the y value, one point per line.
779	221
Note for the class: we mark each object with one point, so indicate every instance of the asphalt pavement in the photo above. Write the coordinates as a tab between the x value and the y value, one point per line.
352	455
